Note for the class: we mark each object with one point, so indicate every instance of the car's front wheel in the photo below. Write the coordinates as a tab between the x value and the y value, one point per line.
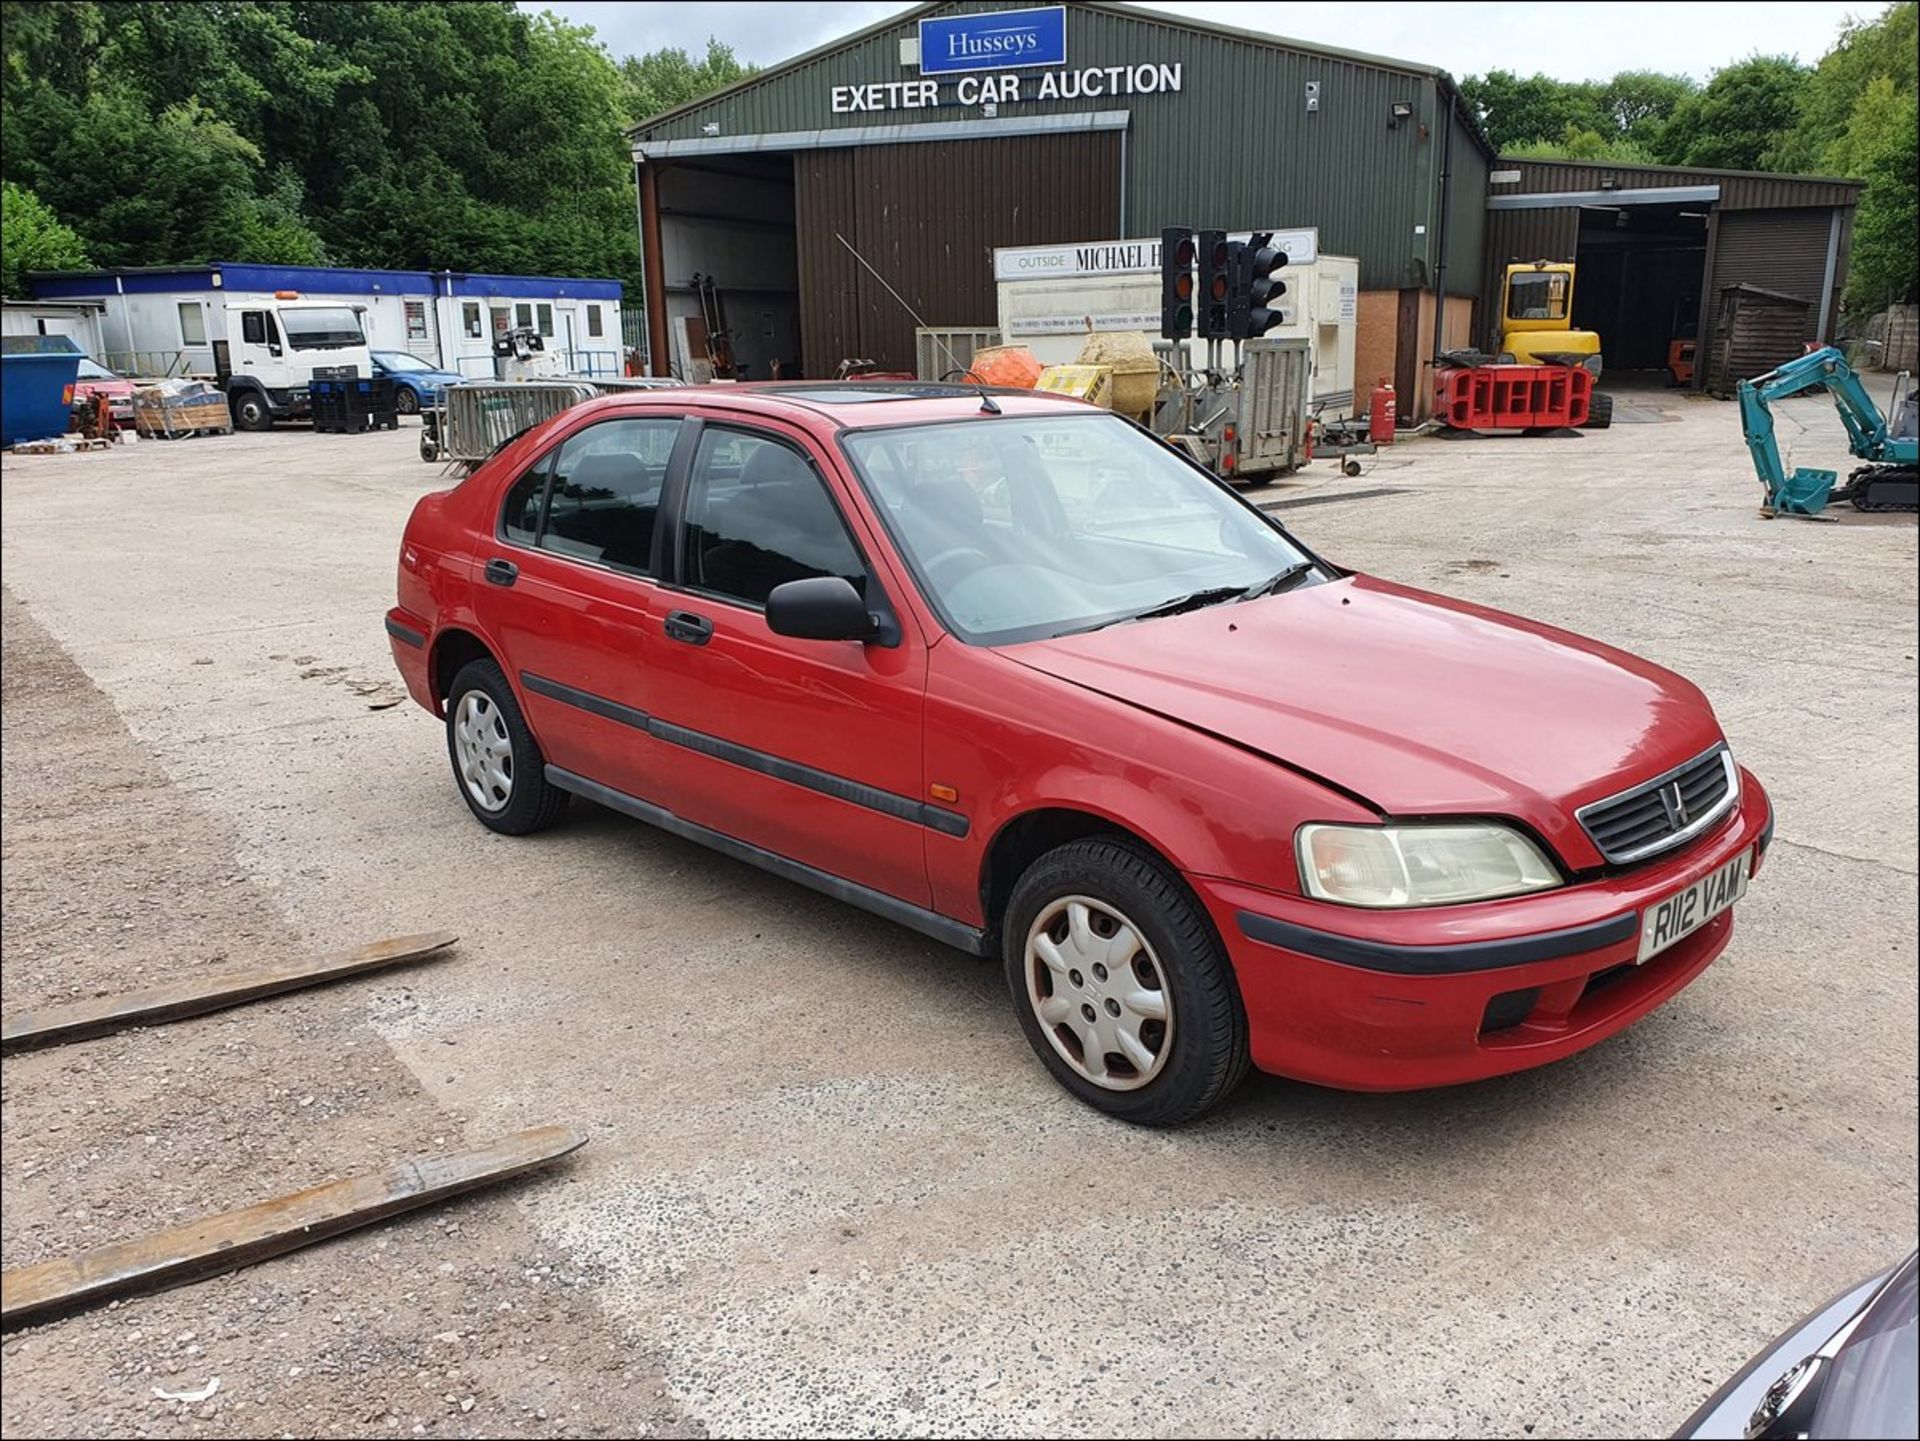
1121	984
406	400
496	761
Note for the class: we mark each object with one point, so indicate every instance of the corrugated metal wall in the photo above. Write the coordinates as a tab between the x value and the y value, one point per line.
1235	148
916	213
1739	190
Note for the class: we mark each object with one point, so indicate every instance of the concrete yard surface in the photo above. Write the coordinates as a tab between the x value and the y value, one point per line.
829	1188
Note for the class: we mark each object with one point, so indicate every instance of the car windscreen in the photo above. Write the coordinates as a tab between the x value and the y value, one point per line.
91	369
1020	528
400	361
321	327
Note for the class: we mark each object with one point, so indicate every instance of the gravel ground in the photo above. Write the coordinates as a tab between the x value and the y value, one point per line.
829	1189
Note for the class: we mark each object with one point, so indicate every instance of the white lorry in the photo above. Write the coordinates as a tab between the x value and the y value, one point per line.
271	347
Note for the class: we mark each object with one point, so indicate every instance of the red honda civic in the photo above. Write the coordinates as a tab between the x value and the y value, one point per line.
1011	672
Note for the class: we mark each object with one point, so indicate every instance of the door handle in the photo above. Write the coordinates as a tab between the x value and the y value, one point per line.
502	572
684	625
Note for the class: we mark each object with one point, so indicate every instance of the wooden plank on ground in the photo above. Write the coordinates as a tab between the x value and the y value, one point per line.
238	1238
179	999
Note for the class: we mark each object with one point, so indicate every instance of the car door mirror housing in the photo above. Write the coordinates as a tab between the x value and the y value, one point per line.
821	607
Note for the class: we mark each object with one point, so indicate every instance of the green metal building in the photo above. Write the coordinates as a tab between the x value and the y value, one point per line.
927	141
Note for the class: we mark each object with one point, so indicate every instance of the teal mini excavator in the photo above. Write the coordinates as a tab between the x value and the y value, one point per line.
1889	444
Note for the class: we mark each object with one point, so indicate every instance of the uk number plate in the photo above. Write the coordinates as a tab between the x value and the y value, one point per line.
1684	912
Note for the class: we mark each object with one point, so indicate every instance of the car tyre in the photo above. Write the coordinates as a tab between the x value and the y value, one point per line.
1201	1053
250	411
497	765
406	400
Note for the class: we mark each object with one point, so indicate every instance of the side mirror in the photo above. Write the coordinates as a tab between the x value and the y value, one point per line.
273	348
822	607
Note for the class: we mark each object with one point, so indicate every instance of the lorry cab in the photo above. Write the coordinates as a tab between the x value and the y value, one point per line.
1536	318
272	346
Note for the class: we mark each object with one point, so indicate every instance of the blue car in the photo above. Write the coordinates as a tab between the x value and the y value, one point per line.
416	382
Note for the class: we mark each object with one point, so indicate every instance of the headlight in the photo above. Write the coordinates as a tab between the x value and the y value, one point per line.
1420	865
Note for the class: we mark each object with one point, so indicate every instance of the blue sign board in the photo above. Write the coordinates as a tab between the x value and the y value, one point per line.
995	40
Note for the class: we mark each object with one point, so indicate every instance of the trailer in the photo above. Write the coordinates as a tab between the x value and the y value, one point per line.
1050	296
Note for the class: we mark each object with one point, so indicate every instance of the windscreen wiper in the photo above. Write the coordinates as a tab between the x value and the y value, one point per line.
1274	584
1193	600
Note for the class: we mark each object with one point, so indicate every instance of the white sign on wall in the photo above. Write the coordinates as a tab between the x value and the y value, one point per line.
1121	257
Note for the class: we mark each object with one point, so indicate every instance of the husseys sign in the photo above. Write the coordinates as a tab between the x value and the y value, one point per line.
987	52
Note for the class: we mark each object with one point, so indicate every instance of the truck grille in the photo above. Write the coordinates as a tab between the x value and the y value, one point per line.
1665	812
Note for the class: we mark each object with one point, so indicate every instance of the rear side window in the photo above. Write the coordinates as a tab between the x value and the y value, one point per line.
601	494
758	515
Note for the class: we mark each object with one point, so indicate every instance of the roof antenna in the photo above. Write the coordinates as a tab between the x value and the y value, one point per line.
987	404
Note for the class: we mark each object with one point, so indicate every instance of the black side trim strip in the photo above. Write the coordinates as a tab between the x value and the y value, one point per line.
928	923
1439	960
887	803
1766	832
599	705
406	634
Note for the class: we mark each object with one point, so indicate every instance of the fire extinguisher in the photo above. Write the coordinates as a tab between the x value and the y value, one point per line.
1380	412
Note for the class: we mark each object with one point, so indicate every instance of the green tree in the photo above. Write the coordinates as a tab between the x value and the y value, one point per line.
1735	123
665	78
1640	102
1514	111
1578	144
1868	50
1886	229
32	238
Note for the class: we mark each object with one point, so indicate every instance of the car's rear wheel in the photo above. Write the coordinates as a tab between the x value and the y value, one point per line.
406	400
496	762
1121	984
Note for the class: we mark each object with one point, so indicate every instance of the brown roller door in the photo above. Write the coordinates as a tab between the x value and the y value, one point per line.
928	217
1784	251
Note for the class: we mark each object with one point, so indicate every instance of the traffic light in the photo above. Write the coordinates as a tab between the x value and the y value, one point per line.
1262	263
1237	284
1216	283
1176	282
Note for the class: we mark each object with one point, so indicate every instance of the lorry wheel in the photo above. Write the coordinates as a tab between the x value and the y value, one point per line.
250	411
1599	412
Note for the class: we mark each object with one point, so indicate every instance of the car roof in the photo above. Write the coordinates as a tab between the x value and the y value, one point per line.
851	404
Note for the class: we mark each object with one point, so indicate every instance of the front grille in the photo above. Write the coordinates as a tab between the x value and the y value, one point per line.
1665	812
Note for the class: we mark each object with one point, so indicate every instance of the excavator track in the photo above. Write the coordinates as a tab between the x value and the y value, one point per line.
1883	489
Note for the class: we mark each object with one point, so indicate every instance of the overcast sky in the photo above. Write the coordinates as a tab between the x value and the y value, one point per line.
1574	41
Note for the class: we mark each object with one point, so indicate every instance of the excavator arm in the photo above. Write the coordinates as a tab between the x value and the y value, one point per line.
1806	490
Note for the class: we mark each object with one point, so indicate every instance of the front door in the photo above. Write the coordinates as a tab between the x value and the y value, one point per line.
261	351
810	749
567	593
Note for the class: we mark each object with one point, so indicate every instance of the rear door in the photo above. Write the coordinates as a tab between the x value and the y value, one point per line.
810	749
567	591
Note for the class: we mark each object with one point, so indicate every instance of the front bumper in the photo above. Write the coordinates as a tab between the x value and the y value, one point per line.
1401	1000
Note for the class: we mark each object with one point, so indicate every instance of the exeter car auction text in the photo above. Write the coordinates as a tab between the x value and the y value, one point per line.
1089	84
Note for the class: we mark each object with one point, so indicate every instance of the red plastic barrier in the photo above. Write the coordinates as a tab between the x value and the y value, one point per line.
1511	397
